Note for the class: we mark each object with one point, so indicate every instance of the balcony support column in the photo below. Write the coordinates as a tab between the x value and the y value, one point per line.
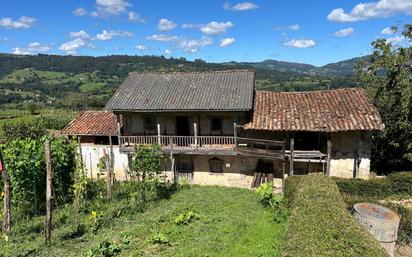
235	134
195	133
158	134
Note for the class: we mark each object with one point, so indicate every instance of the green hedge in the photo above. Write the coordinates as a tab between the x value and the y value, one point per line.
320	225
399	183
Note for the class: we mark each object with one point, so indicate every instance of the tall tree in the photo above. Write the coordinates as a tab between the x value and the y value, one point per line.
387	73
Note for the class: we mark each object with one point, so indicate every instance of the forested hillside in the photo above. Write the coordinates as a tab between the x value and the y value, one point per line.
85	81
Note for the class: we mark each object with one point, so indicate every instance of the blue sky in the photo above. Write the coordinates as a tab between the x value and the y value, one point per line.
315	32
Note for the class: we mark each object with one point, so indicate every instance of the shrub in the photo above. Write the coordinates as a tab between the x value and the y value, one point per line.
378	187
25	163
320	225
159	238
186	218
401	182
72	231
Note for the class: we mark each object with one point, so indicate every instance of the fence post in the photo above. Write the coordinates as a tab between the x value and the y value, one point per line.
109	176
6	197
49	189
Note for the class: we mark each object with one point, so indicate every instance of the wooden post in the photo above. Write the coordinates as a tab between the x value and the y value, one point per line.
328	155
118	130
80	153
6	198
291	152
49	190
109	177
111	159
158	134
235	134
195	133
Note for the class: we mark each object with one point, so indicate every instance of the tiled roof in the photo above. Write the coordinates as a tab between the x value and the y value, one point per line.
330	111
96	123
185	91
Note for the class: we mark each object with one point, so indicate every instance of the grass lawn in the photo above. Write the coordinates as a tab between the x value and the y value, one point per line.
230	222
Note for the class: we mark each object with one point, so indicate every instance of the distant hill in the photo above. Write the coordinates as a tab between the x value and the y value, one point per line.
342	68
87	81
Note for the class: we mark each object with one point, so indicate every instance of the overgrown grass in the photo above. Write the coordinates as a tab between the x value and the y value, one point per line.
229	222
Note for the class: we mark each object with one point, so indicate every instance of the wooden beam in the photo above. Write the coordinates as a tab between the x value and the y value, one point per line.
292	148
49	190
328	154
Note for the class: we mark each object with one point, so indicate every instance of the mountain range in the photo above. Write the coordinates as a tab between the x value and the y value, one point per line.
341	68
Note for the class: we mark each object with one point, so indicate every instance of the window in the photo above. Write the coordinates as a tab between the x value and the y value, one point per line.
184	165
216	165
150	124
216	125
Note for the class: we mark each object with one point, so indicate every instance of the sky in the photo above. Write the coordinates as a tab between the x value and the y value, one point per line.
314	32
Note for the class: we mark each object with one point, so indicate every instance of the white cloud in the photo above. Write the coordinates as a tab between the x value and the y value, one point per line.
135	17
162	37
366	11
216	28
106	8
108	35
141	47
300	43
191	26
165	24
32	48
79	34
23	23
399	40
4	39
167	51
388	31
344	32
226	42
294	27
193	45
245	6
80	12
72	46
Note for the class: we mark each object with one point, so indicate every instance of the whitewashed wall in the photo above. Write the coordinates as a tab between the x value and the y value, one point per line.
91	154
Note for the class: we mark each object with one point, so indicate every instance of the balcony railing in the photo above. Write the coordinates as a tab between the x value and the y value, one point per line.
180	143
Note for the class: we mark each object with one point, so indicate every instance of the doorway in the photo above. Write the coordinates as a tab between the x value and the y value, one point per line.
182	126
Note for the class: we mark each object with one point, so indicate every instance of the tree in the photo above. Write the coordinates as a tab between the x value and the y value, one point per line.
32	108
387	74
146	168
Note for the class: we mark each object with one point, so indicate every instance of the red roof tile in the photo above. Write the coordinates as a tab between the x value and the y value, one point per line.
330	111
96	123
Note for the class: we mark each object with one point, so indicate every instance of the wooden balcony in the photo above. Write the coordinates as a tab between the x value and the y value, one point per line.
213	145
182	144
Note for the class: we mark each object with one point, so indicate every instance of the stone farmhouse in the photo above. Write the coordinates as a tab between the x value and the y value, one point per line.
216	129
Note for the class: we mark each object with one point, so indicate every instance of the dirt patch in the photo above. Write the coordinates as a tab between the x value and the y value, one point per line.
403	251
